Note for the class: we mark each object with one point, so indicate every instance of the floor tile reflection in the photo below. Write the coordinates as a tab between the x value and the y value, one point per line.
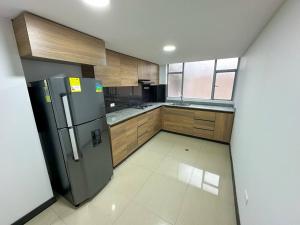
171	180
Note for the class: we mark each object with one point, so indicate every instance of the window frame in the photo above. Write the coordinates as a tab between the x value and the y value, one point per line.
213	83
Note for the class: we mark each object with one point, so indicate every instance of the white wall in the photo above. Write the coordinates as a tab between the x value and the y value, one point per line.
24	181
265	143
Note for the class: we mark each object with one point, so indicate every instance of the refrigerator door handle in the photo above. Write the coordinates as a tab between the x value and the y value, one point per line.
70	127
67	110
74	144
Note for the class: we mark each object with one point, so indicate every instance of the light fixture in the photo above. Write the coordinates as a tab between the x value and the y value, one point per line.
97	3
169	48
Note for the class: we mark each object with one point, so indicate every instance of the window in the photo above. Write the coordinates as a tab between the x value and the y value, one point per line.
175	84
210	79
224	85
198	79
175	80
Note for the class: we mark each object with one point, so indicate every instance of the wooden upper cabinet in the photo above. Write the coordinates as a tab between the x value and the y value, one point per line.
148	71
109	73
120	70
41	38
129	71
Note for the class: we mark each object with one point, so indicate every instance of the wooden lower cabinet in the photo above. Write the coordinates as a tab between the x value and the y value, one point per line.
211	125
123	140
148	125
127	136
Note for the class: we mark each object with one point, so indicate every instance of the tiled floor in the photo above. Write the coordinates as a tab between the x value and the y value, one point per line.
171	180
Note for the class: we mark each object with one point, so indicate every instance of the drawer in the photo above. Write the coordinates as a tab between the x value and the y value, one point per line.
144	128
144	138
205	115
142	119
209	134
204	124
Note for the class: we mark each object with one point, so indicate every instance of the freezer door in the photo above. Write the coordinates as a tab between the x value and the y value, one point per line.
88	103
93	143
85	99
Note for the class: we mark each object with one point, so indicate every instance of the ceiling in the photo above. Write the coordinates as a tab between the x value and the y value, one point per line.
201	29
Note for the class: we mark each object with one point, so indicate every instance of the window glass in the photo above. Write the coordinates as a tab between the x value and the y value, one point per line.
175	68
224	85
227	64
174	84
198	79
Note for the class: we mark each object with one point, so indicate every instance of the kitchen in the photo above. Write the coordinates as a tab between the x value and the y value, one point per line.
102	125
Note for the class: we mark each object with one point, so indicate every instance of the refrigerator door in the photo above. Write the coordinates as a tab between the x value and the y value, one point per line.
85	97
77	192
86	103
95	154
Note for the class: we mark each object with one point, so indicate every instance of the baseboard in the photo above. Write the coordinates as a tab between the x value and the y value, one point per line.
187	135
238	221
35	212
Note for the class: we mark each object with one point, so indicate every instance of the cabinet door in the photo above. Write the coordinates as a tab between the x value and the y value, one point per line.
43	39
148	71
109	74
123	139
154	73
223	126
128	71
156	124
120	70
178	120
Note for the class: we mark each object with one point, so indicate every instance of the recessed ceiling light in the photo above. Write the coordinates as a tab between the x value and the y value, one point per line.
169	48
97	3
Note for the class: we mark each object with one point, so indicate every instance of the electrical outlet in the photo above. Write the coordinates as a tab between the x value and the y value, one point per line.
246	197
112	105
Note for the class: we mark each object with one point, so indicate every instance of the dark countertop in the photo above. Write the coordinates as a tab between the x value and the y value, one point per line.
125	114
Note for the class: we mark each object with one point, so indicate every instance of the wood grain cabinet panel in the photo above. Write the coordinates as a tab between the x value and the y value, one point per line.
205	115
148	71
204	124
198	132
41	38
148	125
109	73
223	127
129	71
123	140
120	70
178	120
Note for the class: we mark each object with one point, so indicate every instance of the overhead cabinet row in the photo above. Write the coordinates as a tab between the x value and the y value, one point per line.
41	38
123	70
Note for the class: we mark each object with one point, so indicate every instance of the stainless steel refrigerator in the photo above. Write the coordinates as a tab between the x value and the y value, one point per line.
70	116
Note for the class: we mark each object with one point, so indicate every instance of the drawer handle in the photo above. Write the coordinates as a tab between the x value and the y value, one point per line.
204	120
202	129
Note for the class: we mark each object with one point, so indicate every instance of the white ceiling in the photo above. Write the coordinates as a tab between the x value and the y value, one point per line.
201	29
